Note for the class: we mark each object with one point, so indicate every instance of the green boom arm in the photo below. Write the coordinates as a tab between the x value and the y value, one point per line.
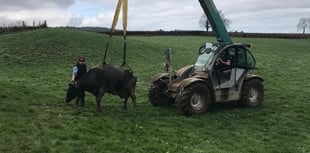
216	21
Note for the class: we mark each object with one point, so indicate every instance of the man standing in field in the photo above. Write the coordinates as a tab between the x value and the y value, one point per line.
79	69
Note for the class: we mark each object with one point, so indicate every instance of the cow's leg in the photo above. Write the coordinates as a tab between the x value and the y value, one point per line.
77	101
134	100
98	99
125	103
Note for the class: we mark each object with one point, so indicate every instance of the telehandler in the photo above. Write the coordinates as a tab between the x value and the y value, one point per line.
221	73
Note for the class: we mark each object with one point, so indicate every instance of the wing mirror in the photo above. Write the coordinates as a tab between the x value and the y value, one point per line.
205	48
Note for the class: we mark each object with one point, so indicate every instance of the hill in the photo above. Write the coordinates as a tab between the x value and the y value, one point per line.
35	71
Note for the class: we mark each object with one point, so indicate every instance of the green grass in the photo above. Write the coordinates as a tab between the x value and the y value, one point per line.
36	68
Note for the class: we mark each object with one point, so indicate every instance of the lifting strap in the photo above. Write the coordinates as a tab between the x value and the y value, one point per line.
115	19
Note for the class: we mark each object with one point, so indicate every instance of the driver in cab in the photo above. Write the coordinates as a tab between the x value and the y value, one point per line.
223	66
223	61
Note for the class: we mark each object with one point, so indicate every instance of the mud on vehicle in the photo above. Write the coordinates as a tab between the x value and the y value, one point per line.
221	73
194	87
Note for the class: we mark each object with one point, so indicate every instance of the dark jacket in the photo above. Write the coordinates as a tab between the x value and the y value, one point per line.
82	69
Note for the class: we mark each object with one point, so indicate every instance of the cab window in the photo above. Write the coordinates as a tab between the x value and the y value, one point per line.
244	58
250	60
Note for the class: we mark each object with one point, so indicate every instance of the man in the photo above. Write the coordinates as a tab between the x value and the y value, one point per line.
223	67
224	60
79	69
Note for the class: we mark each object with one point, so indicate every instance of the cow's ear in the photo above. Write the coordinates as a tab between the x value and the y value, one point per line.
128	72
71	84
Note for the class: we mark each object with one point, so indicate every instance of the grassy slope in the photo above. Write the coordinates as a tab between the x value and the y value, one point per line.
35	70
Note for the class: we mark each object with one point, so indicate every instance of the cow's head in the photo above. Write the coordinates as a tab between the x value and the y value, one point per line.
72	92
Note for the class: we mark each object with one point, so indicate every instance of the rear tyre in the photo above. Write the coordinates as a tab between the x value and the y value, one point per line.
195	99
156	94
252	93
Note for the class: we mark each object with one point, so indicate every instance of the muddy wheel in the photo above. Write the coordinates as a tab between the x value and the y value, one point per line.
252	93
195	99
156	95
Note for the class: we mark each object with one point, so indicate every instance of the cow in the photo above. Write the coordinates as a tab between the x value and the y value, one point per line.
103	79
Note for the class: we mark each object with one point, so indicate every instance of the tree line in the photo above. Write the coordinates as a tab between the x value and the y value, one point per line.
303	25
21	26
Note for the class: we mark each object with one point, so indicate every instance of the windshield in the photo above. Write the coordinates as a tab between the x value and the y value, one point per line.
204	59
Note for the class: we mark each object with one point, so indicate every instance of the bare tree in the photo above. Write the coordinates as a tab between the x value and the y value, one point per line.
24	24
44	25
303	24
205	23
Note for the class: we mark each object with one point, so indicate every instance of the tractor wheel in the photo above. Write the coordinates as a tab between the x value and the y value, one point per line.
156	95
195	99
252	93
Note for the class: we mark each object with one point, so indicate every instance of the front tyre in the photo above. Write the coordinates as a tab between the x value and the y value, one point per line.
252	93
156	94
194	99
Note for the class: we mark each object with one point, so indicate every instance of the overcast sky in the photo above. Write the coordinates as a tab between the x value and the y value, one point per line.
276	16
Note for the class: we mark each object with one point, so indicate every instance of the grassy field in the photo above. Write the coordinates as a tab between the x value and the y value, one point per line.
36	69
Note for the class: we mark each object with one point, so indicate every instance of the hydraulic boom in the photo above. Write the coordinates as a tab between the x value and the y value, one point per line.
216	21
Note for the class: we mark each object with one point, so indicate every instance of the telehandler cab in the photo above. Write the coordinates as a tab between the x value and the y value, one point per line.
221	73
